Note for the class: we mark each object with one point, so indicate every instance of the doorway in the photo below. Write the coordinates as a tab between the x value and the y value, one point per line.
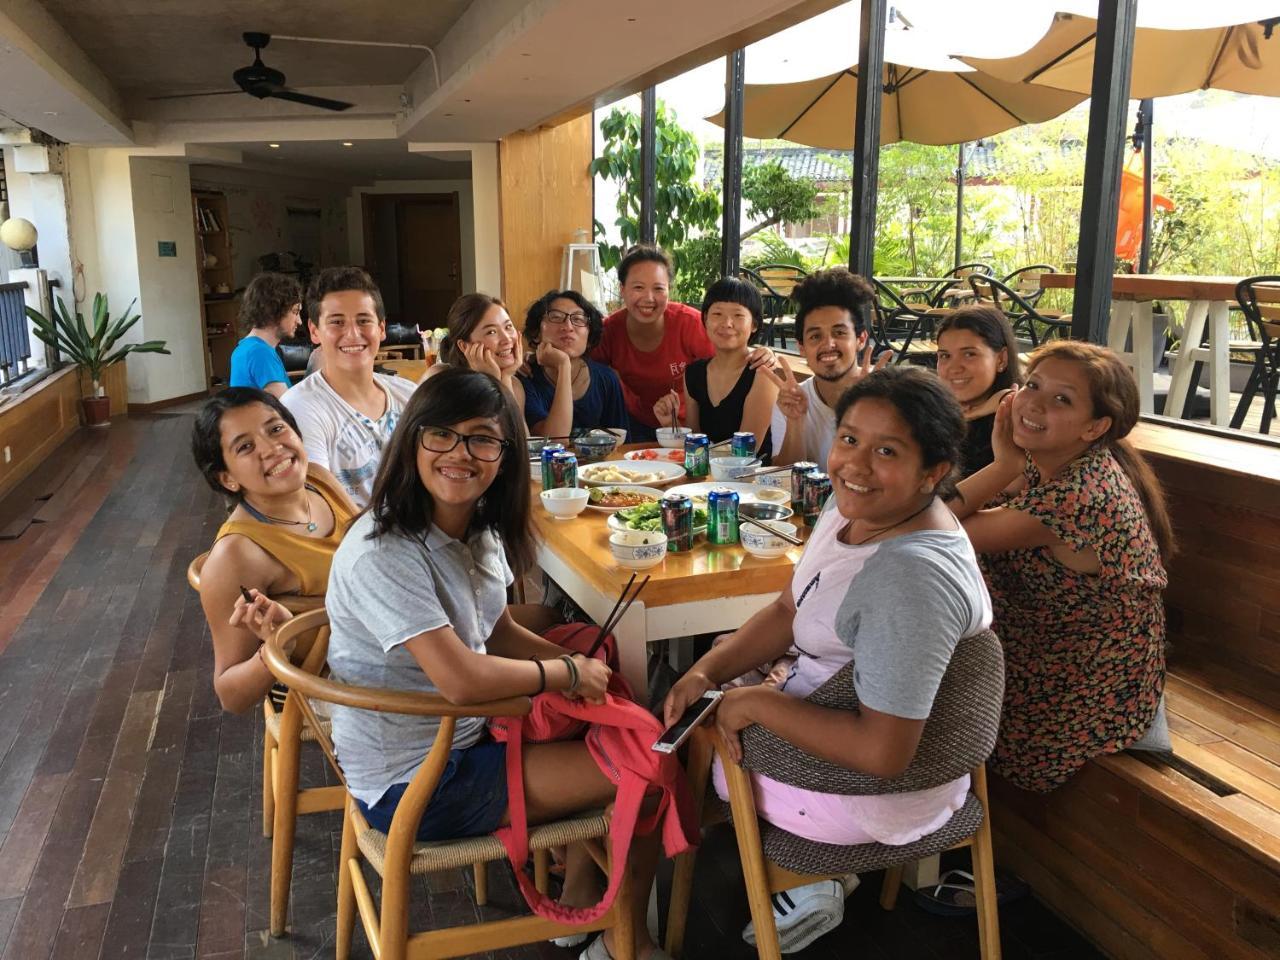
413	248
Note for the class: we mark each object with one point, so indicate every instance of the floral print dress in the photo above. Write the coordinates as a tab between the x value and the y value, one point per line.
1084	653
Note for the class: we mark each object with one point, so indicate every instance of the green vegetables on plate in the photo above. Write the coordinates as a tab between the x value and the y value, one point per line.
649	517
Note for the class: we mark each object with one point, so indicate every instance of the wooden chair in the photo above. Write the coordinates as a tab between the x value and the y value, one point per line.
285	730
397	856
1026	281
959	734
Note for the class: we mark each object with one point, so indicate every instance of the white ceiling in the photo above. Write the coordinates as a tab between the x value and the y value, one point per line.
362	162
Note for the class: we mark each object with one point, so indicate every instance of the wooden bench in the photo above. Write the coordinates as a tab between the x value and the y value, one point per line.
1164	859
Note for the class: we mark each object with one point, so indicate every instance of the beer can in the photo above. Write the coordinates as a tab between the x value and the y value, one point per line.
817	487
564	470
548	451
743	444
799	470
722	516
677	521
697	455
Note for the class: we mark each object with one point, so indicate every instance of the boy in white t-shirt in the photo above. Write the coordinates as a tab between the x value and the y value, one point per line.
831	331
346	413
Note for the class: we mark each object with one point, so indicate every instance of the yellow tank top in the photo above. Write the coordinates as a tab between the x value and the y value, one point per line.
307	558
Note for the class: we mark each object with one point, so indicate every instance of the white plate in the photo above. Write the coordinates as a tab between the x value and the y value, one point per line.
631	488
670	472
660	451
617	523
747	492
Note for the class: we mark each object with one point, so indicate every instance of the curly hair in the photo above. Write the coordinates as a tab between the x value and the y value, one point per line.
338	280
927	407
268	297
539	307
837	287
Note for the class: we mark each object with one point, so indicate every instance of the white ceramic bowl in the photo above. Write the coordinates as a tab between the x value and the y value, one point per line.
770	494
733	468
638	549
564	503
760	544
779	479
672	438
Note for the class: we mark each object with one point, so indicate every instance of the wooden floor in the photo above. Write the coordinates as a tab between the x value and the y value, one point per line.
129	801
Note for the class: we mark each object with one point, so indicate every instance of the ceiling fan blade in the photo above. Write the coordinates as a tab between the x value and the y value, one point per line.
183	96
284	93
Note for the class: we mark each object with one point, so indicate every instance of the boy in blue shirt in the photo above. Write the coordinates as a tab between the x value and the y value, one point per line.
271	311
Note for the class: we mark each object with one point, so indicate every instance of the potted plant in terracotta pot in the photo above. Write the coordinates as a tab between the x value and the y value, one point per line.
92	347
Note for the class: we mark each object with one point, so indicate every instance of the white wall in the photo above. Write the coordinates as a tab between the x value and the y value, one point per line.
466	221
42	199
257	205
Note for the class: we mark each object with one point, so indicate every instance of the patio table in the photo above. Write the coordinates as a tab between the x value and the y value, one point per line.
710	588
1208	299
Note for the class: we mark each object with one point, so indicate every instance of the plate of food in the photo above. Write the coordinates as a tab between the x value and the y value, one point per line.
613	473
649	517
610	499
661	454
747	492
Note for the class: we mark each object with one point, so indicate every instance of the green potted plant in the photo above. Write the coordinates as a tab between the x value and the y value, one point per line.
90	347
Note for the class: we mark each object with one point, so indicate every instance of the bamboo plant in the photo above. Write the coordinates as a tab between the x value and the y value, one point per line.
90	346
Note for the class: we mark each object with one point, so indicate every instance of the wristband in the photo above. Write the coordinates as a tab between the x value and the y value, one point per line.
542	676
574	678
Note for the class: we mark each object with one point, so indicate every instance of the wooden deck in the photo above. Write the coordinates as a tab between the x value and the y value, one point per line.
129	816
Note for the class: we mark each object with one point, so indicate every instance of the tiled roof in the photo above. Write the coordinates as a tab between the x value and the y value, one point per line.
825	166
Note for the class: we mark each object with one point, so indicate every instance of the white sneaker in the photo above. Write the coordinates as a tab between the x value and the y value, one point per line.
803	914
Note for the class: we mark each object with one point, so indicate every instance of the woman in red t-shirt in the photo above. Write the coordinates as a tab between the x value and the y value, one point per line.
651	340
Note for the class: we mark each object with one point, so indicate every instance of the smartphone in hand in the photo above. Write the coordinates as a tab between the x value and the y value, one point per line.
693	715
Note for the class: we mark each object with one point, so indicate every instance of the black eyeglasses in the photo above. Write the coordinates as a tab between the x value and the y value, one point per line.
559	316
479	445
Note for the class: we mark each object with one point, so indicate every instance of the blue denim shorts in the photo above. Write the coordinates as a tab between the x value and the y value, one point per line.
469	801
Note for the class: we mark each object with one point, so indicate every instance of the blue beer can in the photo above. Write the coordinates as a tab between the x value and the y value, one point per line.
722	516
697	455
743	444
548	451
564	470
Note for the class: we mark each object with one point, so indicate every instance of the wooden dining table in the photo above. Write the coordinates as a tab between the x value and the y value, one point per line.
710	588
1208	301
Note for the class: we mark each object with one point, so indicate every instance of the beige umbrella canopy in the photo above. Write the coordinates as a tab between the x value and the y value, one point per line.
1244	58
923	106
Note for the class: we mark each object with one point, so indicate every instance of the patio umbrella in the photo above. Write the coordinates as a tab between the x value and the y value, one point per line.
923	106
1244	58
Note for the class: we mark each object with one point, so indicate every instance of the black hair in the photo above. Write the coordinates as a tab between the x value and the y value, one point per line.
267	298
339	279
538	310
735	290
464	316
206	433
993	328
837	287
400	504
929	409
643	253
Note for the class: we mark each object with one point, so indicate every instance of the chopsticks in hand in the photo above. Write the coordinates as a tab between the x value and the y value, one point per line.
616	615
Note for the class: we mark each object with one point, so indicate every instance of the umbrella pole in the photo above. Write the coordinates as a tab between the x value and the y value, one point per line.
960	205
648	163
866	138
1144	118
731	228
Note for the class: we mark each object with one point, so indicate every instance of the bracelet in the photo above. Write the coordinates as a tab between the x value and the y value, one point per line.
574	678
261	647
542	676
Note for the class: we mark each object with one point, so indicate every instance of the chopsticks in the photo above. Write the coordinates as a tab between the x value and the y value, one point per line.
764	470
616	615
794	541
722	443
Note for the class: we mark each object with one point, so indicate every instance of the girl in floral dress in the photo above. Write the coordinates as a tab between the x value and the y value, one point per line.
1072	542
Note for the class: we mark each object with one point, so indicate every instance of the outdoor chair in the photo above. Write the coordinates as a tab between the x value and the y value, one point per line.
905	328
1026	281
957	739
949	294
1259	300
397	857
285	730
1028	322
775	281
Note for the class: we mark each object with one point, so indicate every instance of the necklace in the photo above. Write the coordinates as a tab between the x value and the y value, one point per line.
876	532
264	518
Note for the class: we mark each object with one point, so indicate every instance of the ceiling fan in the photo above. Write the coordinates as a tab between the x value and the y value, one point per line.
259	80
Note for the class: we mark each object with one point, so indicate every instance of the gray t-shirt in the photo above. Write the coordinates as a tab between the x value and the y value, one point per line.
383	592
896	607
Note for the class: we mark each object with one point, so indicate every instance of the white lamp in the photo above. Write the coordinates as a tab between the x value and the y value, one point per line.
580	267
20	236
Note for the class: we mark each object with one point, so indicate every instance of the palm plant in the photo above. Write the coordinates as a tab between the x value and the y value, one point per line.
90	346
